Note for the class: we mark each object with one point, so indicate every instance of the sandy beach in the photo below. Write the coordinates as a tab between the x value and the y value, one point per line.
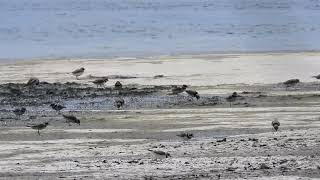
231	141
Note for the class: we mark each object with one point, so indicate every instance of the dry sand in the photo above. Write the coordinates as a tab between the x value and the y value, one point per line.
115	144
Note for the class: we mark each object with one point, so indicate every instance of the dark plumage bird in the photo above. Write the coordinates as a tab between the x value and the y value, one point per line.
118	85
317	76
39	126
185	135
100	82
78	72
33	81
160	153
193	93
71	119
232	98
119	103
19	111
57	107
275	123
178	90
291	82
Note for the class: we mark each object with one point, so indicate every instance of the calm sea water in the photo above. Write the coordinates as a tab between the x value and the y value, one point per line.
108	28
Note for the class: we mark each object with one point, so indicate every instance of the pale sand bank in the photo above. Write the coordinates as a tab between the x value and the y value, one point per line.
196	70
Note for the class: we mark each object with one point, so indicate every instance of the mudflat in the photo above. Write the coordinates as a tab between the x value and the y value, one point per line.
231	139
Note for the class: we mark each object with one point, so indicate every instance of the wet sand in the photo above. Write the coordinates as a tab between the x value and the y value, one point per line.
115	144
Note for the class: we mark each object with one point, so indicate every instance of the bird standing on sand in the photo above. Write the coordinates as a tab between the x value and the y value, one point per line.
160	153
185	135
232	98
317	76
119	103
291	82
71	119
178	90
19	111
33	81
193	93
57	107
275	123
39	126
78	72
118	85
100	82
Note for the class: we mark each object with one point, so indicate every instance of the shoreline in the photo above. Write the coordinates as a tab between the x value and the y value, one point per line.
154	56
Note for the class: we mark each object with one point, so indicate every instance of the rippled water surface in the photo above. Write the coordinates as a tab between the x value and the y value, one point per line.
104	28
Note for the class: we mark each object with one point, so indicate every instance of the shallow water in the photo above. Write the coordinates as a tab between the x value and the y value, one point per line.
81	28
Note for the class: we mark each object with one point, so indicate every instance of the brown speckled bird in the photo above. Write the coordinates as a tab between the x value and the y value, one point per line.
275	123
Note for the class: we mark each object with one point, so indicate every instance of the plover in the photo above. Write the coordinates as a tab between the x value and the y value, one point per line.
160	153
33	81
291	82
71	119
39	126
118	85
275	123
317	76
178	90
193	93
57	107
19	111
232	98
119	102
100	82
78	72
185	135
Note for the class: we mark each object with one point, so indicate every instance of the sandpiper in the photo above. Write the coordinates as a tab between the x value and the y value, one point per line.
275	123
19	111
317	76
119	102
118	85
71	119
185	135
100	82
39	126
33	81
193	93
291	82
232	98
57	107
178	90
78	72
160	153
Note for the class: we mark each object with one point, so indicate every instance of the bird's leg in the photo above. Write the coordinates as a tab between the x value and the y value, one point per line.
38	132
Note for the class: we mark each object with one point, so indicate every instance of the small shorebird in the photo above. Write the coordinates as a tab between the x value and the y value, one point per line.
100	82
185	135
118	85
178	90
317	76
193	93
119	103
78	72
160	153
291	82
19	111
33	81
71	119
39	126
275	123
57	107
232	98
